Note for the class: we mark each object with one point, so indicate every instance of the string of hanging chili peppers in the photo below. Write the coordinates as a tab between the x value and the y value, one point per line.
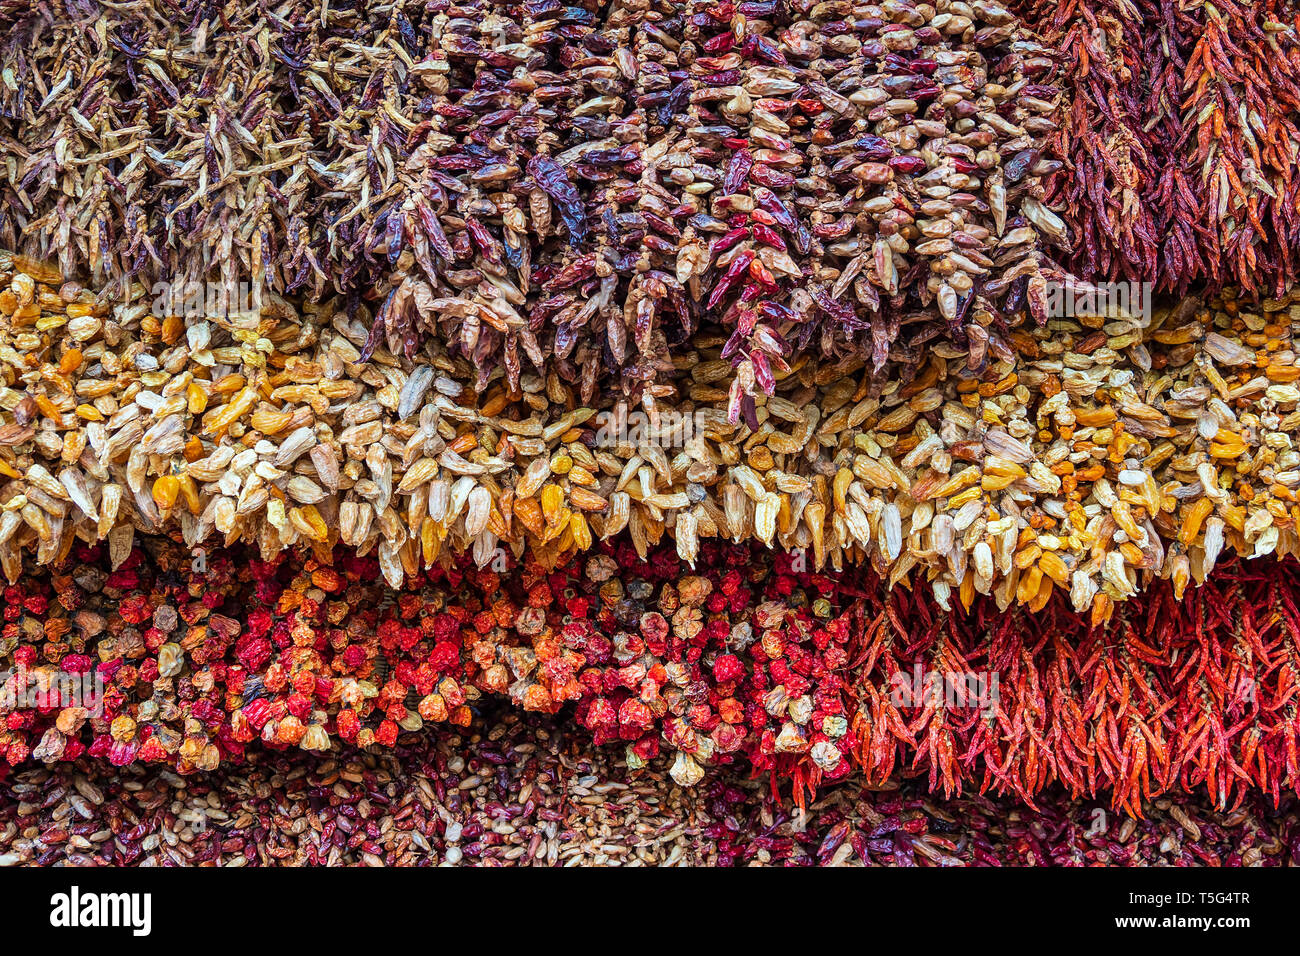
804	676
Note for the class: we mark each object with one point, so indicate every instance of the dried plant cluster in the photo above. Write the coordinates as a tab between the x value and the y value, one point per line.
532	181
690	368
174	142
803	677
1096	454
1179	140
503	793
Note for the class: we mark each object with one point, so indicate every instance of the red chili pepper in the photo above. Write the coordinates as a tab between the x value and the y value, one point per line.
768	236
737	176
720	43
726	241
769	201
734	271
762	275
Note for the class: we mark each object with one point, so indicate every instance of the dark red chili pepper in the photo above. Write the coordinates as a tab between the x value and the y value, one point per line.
775	311
769	52
734	342
393	233
550	176
738	170
727	240
765	175
662	226
433	231
734	271
487	245
720	43
1020	164
873	148
908	165
453	111
579	270
762	371
768	237
924	92
723	78
675	102
769	201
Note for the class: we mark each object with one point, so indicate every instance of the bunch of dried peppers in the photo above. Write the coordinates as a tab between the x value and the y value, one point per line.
1180	150
450	239
805	676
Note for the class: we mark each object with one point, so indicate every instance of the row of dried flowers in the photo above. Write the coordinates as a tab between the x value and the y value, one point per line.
1090	455
520	180
1178	139
803	676
506	792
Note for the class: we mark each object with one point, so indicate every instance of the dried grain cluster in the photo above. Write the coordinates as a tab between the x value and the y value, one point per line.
532	181
694	365
535	801
1092	454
